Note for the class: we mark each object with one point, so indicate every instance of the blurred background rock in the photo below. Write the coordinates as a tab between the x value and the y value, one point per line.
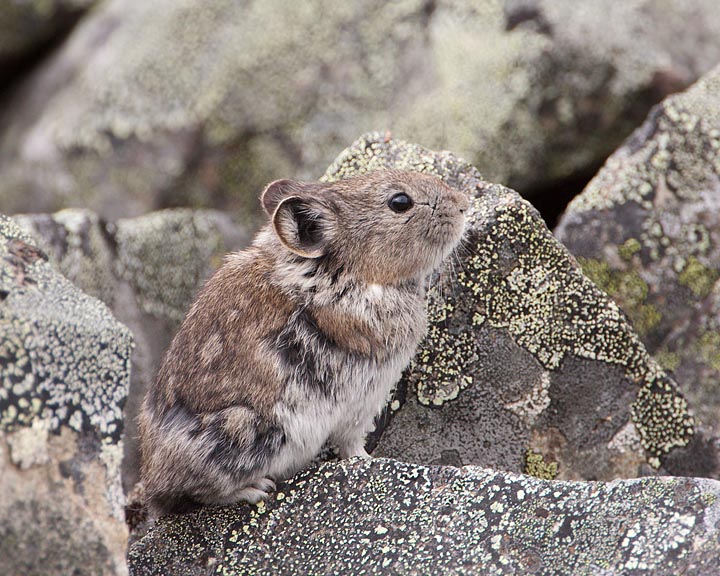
149	105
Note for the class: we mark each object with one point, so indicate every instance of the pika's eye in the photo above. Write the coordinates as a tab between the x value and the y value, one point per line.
400	202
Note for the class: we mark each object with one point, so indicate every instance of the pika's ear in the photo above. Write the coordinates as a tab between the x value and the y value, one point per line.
304	225
276	192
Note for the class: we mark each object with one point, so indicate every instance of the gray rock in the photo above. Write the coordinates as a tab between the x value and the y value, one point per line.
527	365
166	103
147	269
64	375
25	25
647	230
386	517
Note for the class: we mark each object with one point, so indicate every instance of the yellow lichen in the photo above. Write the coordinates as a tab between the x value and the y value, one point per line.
536	466
698	277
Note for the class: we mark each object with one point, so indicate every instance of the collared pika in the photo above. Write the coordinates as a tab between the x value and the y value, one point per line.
298	339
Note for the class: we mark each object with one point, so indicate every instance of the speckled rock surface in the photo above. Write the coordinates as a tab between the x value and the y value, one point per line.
385	517
527	365
647	230
167	103
64	375
147	269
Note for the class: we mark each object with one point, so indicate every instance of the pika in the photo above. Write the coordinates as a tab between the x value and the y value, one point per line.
298	339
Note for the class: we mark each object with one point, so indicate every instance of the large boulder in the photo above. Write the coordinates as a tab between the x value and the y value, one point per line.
147	270
386	517
64	376
167	103
647	230
527	365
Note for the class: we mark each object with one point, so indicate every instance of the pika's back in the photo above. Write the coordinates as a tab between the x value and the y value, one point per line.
221	354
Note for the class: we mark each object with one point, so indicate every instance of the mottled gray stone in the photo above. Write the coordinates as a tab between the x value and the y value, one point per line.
79	244
147	269
167	103
65	359
167	255
647	230
386	517
64	375
525	357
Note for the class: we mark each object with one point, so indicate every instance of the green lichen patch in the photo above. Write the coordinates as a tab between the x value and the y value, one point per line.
709	348
698	277
629	248
667	359
627	287
536	466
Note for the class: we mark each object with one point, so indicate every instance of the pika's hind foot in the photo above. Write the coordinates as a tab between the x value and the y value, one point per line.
264	485
257	490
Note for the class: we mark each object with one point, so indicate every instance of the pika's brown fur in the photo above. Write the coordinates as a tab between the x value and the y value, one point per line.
297	339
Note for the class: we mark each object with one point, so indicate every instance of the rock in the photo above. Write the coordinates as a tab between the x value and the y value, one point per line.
167	103
64	375
647	230
147	269
386	517
26	25
167	255
526	365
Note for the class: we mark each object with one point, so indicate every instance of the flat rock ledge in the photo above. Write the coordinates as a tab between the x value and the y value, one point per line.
386	517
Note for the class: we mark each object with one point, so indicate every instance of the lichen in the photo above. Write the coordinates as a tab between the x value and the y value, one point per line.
667	359
76	243
64	359
439	365
165	256
708	345
512	275
384	516
629	288
536	466
28	446
698	277
655	245
629	248
662	417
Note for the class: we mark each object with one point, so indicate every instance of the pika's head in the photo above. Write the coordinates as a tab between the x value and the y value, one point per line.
383	227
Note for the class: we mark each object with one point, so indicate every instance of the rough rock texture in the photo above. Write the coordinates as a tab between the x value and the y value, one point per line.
147	269
647	230
526	364
166	103
64	375
24	25
385	517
